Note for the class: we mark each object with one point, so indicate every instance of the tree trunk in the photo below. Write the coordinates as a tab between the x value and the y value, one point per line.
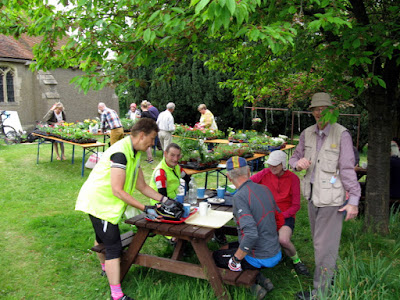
379	136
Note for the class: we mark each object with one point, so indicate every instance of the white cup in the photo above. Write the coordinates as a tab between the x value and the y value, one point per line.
203	208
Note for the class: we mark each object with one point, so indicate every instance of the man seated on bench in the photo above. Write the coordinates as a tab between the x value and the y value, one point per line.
108	191
254	210
166	177
285	186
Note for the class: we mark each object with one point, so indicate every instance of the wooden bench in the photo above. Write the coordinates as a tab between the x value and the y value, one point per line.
245	278
126	239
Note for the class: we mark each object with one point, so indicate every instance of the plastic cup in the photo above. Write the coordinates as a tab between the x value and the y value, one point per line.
180	198
221	192
186	210
201	192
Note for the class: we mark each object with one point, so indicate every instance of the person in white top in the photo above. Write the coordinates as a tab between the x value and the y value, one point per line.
165	122
56	116
133	113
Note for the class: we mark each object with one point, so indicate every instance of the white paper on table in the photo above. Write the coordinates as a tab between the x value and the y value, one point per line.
214	219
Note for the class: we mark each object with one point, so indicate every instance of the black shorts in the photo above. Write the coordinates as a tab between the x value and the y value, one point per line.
107	234
222	257
290	223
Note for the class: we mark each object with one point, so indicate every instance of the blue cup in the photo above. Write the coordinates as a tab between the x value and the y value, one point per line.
221	192
201	192
186	210
180	198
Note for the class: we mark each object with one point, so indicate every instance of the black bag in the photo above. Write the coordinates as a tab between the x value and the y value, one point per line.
170	210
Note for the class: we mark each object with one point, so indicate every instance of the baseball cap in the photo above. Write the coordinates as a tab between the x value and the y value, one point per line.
235	162
320	99
133	104
277	157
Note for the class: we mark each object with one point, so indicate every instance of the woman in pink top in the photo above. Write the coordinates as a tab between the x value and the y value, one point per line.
285	187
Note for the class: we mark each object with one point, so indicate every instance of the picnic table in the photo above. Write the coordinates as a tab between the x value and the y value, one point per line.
89	147
198	236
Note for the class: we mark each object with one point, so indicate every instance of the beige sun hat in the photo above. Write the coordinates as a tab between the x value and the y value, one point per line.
320	99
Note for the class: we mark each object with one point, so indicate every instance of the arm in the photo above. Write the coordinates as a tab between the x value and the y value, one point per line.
247	225
161	182
171	124
145	189
103	122
295	189
185	177
348	175
118	177
298	162
207	119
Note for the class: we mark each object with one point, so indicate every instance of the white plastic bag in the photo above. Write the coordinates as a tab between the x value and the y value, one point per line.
93	159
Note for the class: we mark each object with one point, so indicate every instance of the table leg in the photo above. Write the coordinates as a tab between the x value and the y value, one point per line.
129	257
205	184
179	248
52	149
83	161
73	154
210	269
38	150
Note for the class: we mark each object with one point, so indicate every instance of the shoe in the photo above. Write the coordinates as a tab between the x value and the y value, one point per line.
220	238
306	295
258	291
124	297
301	269
103	273
264	282
150	161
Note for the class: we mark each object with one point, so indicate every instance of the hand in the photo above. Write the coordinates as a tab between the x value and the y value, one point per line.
351	211
303	164
151	210
235	264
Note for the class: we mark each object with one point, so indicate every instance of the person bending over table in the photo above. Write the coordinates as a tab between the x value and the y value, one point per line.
108	191
285	187
254	210
110	118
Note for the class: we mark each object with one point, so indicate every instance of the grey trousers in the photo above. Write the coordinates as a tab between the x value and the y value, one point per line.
326	229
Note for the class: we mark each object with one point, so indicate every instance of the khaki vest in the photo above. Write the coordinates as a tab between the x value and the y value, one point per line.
325	164
173	179
96	197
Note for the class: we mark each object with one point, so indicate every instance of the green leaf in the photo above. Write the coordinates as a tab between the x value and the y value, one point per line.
147	35
222	3
201	5
356	43
225	18
381	82
231	4
178	10
194	2
242	31
154	15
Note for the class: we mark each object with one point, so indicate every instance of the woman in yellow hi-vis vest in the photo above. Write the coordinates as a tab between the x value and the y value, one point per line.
108	191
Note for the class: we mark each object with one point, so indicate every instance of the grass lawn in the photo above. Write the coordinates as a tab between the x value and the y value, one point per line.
45	244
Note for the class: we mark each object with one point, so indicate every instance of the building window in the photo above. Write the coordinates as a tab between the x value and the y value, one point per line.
6	85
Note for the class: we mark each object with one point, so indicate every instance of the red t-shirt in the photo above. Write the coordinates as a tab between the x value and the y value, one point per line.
285	189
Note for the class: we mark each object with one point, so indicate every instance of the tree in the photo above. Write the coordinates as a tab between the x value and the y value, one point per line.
352	44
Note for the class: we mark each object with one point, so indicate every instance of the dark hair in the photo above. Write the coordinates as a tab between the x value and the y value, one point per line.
172	145
145	125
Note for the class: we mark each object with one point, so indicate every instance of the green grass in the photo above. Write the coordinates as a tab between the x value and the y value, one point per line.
45	244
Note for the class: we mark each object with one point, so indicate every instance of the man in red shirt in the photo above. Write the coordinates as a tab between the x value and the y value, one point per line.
285	187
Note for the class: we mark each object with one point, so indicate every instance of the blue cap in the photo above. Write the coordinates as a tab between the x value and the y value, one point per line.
235	162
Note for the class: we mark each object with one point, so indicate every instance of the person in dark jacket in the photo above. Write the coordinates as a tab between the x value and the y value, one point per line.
56	116
254	210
